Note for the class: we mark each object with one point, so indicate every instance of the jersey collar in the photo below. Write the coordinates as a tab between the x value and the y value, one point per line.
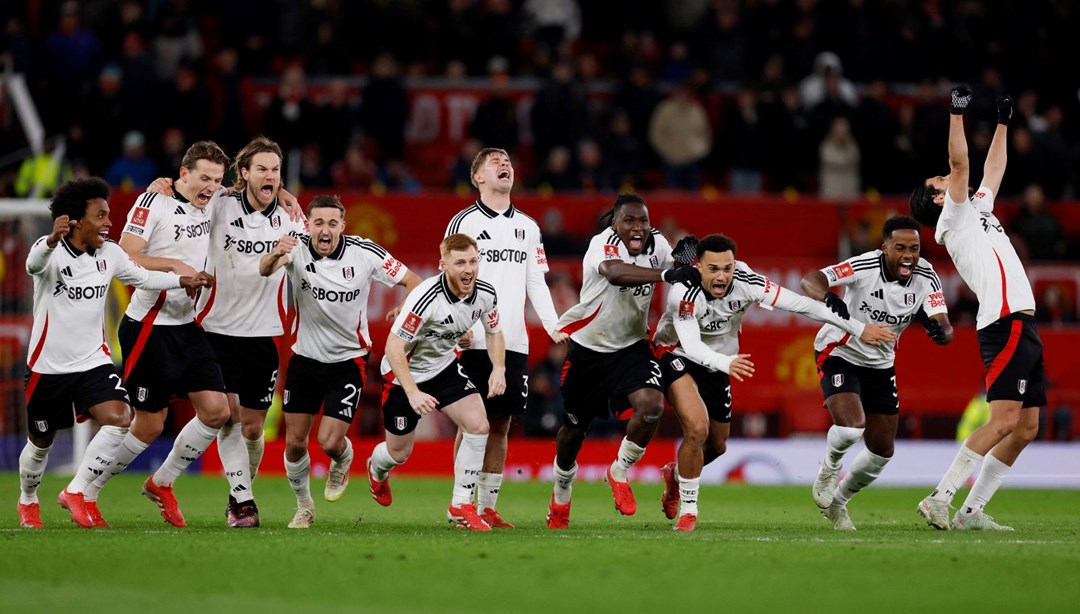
335	255
450	296
246	204
74	251
491	213
885	277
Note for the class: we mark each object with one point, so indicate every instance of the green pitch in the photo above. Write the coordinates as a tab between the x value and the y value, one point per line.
757	549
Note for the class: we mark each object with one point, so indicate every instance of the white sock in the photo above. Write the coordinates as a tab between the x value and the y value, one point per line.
838	441
864	470
990	478
129	448
234	461
470	458
190	444
629	454
32	463
299	474
961	469
382	462
564	481
487	490
688	494
346	457
98	458
255	448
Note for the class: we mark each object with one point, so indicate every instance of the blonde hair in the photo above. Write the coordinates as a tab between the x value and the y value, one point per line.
479	160
258	145
456	242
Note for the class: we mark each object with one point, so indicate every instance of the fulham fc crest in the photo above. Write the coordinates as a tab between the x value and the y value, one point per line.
41	425
909	299
1021	386
275	221
520	234
399	422
654	262
348	272
141	393
838	380
734	305
101	266
677	364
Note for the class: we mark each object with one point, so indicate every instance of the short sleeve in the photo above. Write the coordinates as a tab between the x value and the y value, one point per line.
141	218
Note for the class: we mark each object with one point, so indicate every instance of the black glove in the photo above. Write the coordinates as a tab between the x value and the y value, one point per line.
837	304
935	331
683	274
1005	109
959	99
685	251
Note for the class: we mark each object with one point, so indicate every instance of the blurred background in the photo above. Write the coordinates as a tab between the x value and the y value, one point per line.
795	126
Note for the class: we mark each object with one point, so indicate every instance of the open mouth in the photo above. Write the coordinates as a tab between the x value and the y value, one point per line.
103	233
325	241
203	198
466	281
636	243
504	174
267	191
718	288
905	268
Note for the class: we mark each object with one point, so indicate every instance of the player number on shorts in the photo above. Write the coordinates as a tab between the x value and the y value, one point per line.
119	383
525	383
468	382
349	400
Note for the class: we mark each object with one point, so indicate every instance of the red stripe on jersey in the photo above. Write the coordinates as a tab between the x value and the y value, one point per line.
773	303
31	385
282	310
574	327
565	368
209	303
660	350
1004	287
361	361
828	350
387	387
144	335
41	344
1005	355
360	334
105	343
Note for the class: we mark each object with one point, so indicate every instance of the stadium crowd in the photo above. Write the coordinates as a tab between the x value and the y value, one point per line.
836	97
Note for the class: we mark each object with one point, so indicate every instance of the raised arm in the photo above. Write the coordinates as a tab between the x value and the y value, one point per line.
997	156
959	170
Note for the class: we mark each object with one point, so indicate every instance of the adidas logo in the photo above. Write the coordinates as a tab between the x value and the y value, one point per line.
180	211
238	222
878	294
66	271
310	268
449	320
484	236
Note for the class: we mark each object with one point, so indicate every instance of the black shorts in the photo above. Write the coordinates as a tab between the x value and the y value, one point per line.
335	387
713	386
249	366
592	381
450	385
513	401
165	360
875	387
1013	354
55	401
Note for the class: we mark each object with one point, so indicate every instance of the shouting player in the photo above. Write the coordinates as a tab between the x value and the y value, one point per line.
697	342
1010	345
332	274
514	262
890	286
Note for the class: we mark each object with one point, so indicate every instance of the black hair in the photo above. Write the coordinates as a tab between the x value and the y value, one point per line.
899	222
70	198
626	198
715	243
326	202
922	204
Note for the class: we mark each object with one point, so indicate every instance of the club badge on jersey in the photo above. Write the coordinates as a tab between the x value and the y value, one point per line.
909	299
348	272
101	266
519	234
838	380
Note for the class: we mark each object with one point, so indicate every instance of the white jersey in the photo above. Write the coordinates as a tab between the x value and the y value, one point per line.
984	257
243	303
873	297
512	259
611	317
432	320
332	295
172	228
706	330
70	288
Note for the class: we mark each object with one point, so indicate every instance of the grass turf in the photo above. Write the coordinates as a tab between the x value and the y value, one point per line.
757	549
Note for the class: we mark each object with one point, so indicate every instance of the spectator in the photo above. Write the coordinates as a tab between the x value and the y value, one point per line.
1054	307
840	156
185	103
385	109
132	170
495	123
461	171
637	98
875	129
827	80
395	176
356	170
743	127
558	242
559	115
313	173
623	151
287	116
592	172
335	120
173	147
556	175
681	134
553	21
1037	228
